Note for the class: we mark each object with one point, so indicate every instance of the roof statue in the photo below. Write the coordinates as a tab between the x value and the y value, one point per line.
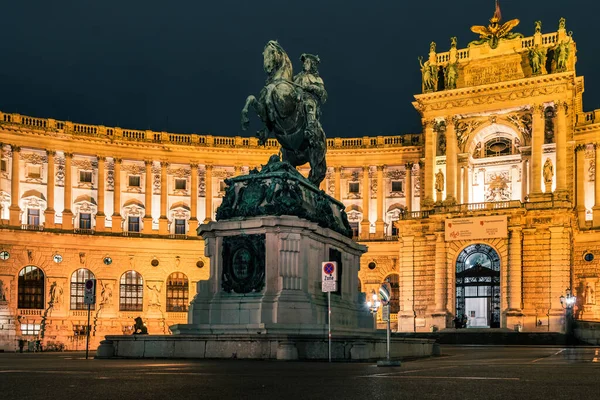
496	30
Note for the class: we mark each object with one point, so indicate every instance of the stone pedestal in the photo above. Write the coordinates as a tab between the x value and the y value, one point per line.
266	278
8	331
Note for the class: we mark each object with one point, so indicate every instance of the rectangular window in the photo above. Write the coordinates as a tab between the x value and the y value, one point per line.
33	216
34	171
85	221
353	187
180	226
85	176
134	180
397	186
180	184
3	166
134	224
30	329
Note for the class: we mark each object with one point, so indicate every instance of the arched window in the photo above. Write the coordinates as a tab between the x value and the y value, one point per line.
31	288
131	293
394	280
177	292
78	289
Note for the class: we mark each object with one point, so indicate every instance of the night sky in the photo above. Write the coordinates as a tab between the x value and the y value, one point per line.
187	66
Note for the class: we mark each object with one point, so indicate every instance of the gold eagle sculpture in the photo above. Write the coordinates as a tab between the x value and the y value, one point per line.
496	30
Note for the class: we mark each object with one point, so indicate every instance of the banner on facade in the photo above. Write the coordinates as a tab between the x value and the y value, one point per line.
476	228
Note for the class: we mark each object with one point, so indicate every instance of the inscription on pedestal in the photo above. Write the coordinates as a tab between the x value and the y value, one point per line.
243	263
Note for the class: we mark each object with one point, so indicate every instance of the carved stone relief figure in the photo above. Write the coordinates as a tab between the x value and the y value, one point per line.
590	294
154	294
537	58
439	181
451	75
56	295
548	171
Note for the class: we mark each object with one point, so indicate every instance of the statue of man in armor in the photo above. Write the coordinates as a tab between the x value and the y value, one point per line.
314	91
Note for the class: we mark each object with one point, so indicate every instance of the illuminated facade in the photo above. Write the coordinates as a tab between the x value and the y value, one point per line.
501	141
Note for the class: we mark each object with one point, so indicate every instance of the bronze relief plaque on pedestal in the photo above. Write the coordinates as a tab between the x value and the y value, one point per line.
243	263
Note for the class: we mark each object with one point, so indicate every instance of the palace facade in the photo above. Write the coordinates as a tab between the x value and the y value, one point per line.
492	212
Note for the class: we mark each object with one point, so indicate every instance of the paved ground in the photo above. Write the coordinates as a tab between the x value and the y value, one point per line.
462	373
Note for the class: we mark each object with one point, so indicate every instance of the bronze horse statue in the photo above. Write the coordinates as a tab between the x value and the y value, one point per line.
284	106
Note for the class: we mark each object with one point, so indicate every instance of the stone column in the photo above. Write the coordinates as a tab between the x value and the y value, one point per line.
465	193
237	170
561	149
409	186
193	223
209	193
524	179
427	186
440	274
67	214
537	141
366	195
451	161
596	209
406	316
148	198
338	182
580	183
515	265
15	179
163	222
560	273
116	217
380	224
100	216
50	212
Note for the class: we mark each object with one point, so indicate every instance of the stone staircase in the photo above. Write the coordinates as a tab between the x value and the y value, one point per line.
501	337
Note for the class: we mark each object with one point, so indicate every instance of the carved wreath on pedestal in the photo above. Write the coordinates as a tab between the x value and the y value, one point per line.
243	263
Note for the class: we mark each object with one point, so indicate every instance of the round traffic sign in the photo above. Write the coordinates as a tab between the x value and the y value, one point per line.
329	268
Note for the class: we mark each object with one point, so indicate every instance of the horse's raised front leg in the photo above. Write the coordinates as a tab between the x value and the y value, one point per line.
250	101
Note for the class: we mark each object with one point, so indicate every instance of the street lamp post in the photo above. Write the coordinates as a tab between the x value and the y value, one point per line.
567	302
374	305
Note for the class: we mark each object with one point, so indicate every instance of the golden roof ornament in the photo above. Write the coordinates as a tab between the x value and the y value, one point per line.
496	30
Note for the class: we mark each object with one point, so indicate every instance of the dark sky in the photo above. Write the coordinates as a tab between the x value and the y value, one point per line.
188	65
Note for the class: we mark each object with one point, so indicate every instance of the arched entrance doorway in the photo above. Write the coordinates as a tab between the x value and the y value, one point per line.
478	286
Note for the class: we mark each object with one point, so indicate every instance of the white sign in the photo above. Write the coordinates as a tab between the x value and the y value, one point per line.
476	228
385	313
329	276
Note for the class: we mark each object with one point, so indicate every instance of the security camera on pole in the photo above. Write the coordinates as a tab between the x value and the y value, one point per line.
329	284
89	298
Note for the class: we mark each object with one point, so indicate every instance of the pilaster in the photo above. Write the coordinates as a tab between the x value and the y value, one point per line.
379	223
163	222
116	217
15	178
100	216
451	161
561	149
208	192
67	214
515	272
409	187
365	224
148	198
427	186
406	316
337	191
193	222
49	212
440	274
596	209
580	184
537	141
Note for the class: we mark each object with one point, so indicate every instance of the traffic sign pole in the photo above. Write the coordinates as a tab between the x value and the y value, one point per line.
388	335
329	323
87	339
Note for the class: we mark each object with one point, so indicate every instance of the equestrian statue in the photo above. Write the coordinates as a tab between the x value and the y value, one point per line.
290	108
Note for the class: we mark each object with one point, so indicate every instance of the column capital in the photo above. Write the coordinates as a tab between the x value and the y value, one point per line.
68	155
381	167
194	166
208	167
561	105
366	167
337	168
409	166
14	148
580	147
50	153
148	162
117	160
515	229
164	164
101	158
